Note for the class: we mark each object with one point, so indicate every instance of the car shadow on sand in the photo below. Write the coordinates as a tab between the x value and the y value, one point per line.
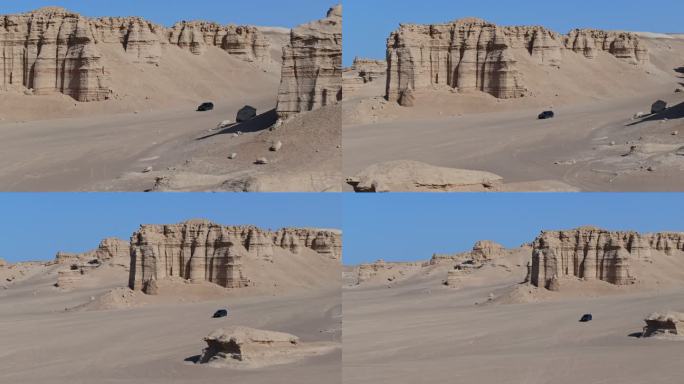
193	359
259	123
672	113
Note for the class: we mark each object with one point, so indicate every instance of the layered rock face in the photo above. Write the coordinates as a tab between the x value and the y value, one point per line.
312	66
53	50
363	71
596	254
108	249
473	54
244	344
199	250
369	69
623	45
483	250
487	250
141	40
244	42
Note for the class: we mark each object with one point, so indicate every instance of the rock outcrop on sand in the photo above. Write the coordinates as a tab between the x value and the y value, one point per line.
671	323
244	347
312	66
595	254
110	252
483	251
473	54
363	71
413	176
52	50
384	272
109	249
623	45
242	343
202	251
244	42
3	263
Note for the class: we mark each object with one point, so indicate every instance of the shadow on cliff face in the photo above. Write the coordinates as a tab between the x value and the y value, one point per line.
259	123
680	70
672	113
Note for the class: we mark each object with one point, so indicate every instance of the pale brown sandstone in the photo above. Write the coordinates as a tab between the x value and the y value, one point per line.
312	66
623	45
245	42
202	251
244	347
109	249
473	54
363	71
596	254
53	50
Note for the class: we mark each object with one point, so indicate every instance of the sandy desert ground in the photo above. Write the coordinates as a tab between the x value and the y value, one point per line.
95	330
586	147
182	147
105	151
416	330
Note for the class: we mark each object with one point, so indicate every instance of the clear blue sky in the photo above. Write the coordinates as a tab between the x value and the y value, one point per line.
282	13
408	227
34	226
368	23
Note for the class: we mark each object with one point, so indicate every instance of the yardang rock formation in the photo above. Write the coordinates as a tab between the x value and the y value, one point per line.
243	347
200	250
53	50
244	344
109	249
363	71
657	324
312	66
473	54
110	252
596	254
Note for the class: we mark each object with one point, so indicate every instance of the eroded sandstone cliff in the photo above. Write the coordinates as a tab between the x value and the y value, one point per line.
596	254
245	42
110	252
200	250
109	249
483	250
312	66
363	71
54	50
473	54
623	45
